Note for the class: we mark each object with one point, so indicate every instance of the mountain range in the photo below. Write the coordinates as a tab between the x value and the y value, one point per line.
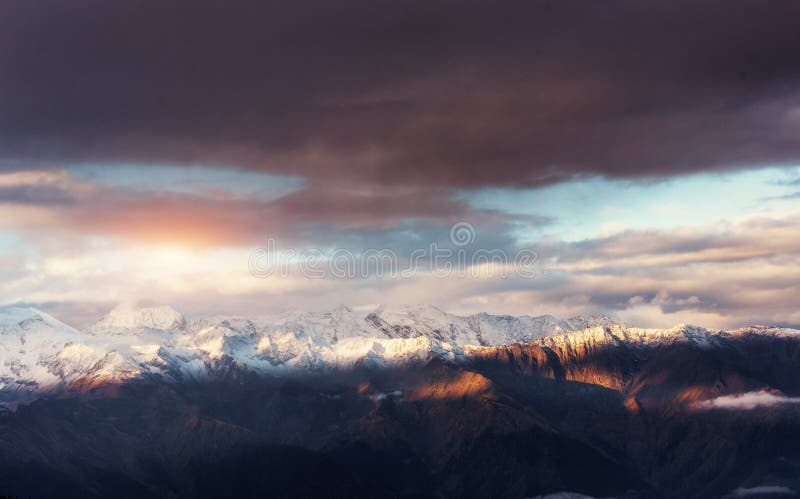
41	355
413	402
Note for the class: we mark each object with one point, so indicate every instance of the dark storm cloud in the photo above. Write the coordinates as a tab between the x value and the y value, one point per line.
409	93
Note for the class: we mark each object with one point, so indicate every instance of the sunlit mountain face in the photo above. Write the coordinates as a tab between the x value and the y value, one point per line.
399	249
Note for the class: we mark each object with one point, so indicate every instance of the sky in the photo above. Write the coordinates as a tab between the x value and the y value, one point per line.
646	156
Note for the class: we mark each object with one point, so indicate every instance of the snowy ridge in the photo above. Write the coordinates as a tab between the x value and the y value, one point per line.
125	317
41	355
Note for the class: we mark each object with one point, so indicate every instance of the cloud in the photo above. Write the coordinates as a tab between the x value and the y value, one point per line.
793	195
389	115
564	495
726	275
746	401
446	94
761	490
731	274
41	188
46	204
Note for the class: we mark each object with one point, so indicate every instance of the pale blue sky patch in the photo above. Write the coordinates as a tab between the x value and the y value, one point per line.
594	207
10	242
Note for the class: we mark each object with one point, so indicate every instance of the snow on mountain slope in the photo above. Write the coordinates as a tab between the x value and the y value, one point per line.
327	327
429	321
125	318
41	355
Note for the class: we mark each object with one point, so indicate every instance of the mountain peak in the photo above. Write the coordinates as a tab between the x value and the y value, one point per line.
417	310
13	316
585	321
126	316
341	310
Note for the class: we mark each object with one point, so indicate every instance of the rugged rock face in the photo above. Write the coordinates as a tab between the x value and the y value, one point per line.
237	407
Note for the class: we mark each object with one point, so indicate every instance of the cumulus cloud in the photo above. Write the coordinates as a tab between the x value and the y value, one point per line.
746	401
735	273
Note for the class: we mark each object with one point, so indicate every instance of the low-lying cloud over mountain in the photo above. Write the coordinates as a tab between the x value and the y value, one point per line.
745	401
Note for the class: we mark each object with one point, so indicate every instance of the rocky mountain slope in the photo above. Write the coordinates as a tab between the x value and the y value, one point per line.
408	403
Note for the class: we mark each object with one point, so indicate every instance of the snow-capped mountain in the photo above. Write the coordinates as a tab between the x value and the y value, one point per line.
125	317
529	391
41	355
425	320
